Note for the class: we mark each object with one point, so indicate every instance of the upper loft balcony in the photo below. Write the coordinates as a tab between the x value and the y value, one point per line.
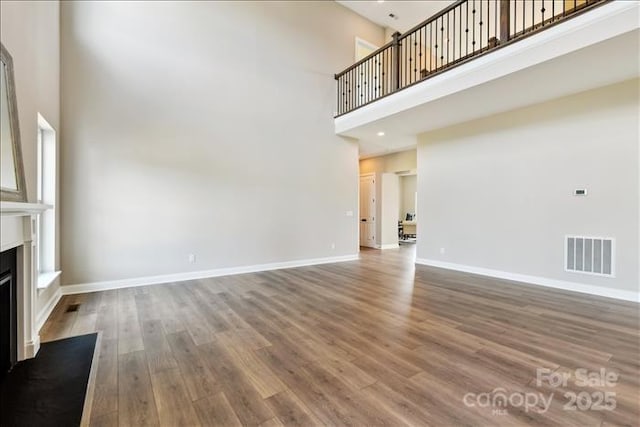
481	57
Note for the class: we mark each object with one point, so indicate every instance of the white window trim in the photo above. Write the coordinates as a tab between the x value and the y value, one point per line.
47	188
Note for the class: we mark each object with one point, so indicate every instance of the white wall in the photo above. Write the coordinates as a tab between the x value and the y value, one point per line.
389	210
408	188
496	193
30	31
204	128
394	162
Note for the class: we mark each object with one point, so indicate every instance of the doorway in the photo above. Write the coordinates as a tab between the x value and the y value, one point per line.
368	210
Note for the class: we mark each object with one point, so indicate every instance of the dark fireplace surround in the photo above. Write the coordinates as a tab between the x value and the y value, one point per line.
8	311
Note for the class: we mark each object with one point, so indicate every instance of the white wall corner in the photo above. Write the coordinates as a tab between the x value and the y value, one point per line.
536	280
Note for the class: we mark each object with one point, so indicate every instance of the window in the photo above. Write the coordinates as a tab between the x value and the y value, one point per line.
46	191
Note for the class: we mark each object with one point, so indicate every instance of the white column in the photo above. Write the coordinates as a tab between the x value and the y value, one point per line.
29	285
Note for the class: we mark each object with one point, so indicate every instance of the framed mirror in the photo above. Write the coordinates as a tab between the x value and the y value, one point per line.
12	185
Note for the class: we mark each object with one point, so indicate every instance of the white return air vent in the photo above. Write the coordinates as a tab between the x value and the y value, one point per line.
590	255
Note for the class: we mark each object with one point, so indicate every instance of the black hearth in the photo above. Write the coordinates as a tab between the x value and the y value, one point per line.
8	314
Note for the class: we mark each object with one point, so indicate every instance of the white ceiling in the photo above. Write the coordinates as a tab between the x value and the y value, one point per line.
408	13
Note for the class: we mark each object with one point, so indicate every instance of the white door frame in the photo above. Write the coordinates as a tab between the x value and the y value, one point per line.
375	198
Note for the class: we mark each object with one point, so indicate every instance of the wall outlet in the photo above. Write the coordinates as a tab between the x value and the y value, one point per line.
192	258
333	246
349	213
442	250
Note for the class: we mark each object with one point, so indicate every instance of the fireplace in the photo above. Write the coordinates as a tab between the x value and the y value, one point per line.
19	321
8	311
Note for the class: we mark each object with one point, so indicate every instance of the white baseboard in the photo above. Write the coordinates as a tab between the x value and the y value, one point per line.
44	314
390	246
536	280
31	348
194	275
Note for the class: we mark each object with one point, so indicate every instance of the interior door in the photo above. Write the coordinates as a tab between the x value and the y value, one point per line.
368	211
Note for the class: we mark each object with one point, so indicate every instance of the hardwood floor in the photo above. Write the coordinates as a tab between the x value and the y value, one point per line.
370	342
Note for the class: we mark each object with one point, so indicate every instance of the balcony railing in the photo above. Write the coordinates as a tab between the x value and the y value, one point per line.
463	31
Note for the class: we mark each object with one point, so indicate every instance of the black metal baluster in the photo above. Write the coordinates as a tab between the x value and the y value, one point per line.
533	14
466	29
423	50
369	79
496	26
350	89
367	93
372	79
360	85
405	43
412	62
480	23
445	40
453	35
439	47
442	41
385	64
363	87
358	89
449	47
431	68
379	76
486	20
403	63
365	82
343	100
349	86
354	88
416	55
369	67
524	15
374	73
473	37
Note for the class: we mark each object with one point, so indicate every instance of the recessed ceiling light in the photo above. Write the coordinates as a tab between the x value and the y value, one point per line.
380	133
380	1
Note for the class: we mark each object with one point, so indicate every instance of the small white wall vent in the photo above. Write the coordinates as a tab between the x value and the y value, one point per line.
590	255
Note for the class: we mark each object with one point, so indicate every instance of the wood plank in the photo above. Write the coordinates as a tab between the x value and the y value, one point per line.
136	404
242	395
198	378
172	399
105	397
259	374
290	410
216	411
